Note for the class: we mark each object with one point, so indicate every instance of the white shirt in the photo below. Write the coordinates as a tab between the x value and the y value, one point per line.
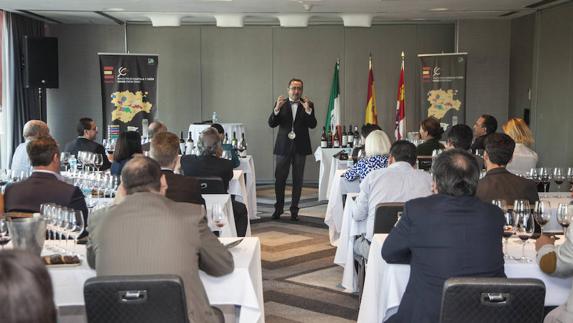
294	107
399	182
20	159
523	160
58	176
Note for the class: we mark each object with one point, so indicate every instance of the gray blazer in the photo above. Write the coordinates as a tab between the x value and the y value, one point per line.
148	233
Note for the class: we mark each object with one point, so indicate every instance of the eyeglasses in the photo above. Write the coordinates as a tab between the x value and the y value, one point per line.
295	88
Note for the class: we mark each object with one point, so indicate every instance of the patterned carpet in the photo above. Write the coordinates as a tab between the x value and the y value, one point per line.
299	278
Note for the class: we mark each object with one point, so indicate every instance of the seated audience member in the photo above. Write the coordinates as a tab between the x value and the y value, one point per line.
524	158
45	185
376	146
124	238
431	132
557	261
400	182
25	289
128	144
484	126
365	130
227	147
460	136
164	150
87	132
210	163
32	130
498	183
449	234
156	127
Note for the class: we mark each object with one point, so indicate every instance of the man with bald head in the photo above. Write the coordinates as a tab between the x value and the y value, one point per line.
32	129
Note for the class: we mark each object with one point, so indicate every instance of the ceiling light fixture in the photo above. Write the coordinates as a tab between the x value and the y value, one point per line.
114	9
439	9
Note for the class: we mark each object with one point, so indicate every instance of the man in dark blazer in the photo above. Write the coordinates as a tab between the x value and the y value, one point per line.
484	126
499	183
449	234
164	149
45	185
87	132
293	117
210	163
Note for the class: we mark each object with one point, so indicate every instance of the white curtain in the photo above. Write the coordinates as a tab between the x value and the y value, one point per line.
6	116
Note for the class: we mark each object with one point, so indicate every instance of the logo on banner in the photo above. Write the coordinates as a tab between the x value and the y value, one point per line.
436	72
122	71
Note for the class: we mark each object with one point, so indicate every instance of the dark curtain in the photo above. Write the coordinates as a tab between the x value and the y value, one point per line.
26	100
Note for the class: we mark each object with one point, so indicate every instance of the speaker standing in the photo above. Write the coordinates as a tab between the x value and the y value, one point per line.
293	117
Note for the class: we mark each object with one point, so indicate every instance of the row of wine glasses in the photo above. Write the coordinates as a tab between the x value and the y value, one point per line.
11	175
544	176
94	184
62	223
89	159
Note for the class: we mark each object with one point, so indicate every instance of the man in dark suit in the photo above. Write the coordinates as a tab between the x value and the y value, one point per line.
460	137
449	234
164	148
498	182
293	117
210	163
45	185
156	127
87	132
484	126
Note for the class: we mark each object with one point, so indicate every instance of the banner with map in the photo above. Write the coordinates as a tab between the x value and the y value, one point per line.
443	87
129	89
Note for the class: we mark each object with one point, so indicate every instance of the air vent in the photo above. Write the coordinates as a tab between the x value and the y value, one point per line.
540	3
507	14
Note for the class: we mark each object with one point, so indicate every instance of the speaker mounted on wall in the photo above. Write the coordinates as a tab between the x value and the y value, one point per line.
41	62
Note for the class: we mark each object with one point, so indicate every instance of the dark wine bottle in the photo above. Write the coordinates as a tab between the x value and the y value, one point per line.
182	144
323	141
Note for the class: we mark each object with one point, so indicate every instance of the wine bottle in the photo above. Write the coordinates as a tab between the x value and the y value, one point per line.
344	137
350	137
329	139
189	145
336	139
357	140
226	141
323	141
242	146
182	144
234	141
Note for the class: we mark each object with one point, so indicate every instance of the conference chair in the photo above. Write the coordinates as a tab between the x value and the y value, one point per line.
425	162
386	216
212	185
135	299
507	300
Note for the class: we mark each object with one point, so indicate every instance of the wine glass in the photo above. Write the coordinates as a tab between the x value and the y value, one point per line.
563	217
524	224
570	177
98	161
542	213
545	177
218	216
508	227
65	159
558	177
4	234
77	224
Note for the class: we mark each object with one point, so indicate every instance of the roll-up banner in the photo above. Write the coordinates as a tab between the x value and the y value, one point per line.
443	87
128	90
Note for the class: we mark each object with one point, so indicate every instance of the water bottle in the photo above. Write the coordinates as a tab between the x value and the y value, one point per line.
73	163
215	118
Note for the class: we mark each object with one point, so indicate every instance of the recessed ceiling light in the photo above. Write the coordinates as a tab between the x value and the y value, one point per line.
439	9
113	9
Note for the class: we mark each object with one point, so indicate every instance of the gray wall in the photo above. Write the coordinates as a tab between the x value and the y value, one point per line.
240	72
521	65
488	45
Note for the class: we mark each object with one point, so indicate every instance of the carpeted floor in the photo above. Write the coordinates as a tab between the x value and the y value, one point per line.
300	280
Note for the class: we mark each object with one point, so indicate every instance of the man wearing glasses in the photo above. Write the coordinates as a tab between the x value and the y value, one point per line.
87	132
293	117
483	126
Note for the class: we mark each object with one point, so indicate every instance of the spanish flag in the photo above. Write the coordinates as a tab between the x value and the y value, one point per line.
400	128
371	115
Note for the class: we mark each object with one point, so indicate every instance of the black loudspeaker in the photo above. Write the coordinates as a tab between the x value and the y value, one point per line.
41	62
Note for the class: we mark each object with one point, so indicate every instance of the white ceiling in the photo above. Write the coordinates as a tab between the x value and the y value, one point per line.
268	11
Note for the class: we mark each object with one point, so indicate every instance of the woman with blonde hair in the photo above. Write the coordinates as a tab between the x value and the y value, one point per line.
376	146
524	158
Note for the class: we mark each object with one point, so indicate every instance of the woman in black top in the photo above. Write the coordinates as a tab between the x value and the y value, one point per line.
431	132
128	144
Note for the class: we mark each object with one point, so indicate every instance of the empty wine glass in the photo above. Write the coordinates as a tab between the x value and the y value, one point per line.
65	159
77	224
98	161
563	217
570	177
524	224
558	177
4	234
542	213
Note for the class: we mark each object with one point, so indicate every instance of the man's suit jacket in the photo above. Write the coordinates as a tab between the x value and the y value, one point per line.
302	122
442	236
201	166
148	234
40	188
83	144
499	183
182	188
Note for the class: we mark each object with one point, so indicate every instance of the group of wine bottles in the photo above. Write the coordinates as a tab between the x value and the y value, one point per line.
346	139
188	147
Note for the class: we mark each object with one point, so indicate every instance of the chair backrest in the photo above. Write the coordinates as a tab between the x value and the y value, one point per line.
425	162
135	299
493	300
386	216
212	185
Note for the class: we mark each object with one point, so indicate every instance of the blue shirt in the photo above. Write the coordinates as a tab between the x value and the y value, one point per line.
365	166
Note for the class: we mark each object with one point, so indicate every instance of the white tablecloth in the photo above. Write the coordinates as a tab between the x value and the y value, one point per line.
229	128
334	209
238	188
243	287
385	283
324	156
248	167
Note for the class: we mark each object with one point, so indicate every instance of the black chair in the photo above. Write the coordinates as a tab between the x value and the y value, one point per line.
135	299
386	216
212	185
425	162
506	300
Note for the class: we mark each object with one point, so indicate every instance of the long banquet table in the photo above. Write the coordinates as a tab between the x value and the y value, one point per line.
243	287
385	283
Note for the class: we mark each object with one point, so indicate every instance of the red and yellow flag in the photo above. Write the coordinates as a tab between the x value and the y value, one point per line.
371	115
400	128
